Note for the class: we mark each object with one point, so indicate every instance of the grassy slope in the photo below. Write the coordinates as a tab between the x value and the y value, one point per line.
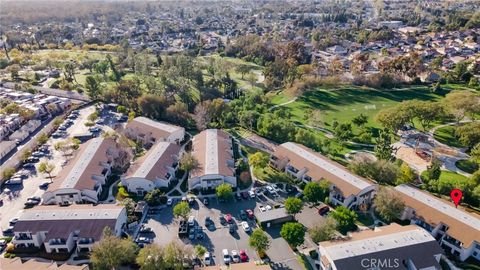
446	135
346	103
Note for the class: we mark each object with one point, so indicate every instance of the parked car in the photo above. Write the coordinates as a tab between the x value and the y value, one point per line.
146	230
35	198
245	195
228	218
290	188
208	221
12	221
44	185
270	188
206	201
222	220
243	215
169	201
323	210
14	181
251	194
268	207
249	213
231	228
191	234
8	231
243	256
200	233
95	129
32	160
237	197
235	256
191	221
207	258
38	154
245	226
262	208
226	256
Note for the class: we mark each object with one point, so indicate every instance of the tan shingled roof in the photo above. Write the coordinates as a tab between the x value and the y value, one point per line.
211	162
152	128
93	167
315	172
159	169
462	231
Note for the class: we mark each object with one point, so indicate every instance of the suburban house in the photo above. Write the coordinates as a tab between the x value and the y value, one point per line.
457	231
300	162
63	229
149	131
213	149
388	247
82	179
17	264
155	169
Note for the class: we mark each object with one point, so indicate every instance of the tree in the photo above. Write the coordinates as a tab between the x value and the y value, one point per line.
460	103
469	134
434	170
475	153
69	71
258	160
25	155
42	139
8	173
200	251
177	254
343	132
14	70
151	258
293	205
259	241
155	197
111	252
242	69
323	231
47	168
93	87
181	210
92	117
224	191
189	163
345	219
315	192
152	106
407	175
383	148
360	120
293	233
388	204
101	68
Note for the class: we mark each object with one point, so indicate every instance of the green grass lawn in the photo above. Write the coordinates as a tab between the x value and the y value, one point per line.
446	135
448	176
346	103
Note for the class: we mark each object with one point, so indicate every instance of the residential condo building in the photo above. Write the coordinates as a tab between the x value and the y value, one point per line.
213	149
61	229
302	163
457	231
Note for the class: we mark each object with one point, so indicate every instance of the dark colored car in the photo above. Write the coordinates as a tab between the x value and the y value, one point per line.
245	195
323	210
243	215
249	213
237	196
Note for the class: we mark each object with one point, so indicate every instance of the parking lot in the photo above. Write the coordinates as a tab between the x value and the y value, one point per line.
15	196
165	229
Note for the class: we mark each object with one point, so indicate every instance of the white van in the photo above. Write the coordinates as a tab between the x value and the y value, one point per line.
191	221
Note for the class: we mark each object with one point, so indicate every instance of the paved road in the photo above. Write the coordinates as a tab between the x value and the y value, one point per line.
12	207
55	92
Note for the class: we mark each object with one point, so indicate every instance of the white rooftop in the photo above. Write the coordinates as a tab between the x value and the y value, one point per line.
155	124
447	209
59	213
379	243
151	159
328	166
211	152
82	163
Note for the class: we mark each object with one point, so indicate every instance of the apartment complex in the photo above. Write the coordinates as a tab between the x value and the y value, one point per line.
18	264
82	179
300	162
155	169
388	247
457	231
62	229
213	148
149	131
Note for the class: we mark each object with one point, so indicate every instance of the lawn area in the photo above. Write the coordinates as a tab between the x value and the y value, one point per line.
446	135
448	176
343	104
364	219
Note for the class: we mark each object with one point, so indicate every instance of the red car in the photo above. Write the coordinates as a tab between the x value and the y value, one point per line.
228	217
323	210
243	256
249	213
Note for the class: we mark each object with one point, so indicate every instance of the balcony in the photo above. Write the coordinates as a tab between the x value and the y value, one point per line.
22	237
452	241
57	242
85	241
292	169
